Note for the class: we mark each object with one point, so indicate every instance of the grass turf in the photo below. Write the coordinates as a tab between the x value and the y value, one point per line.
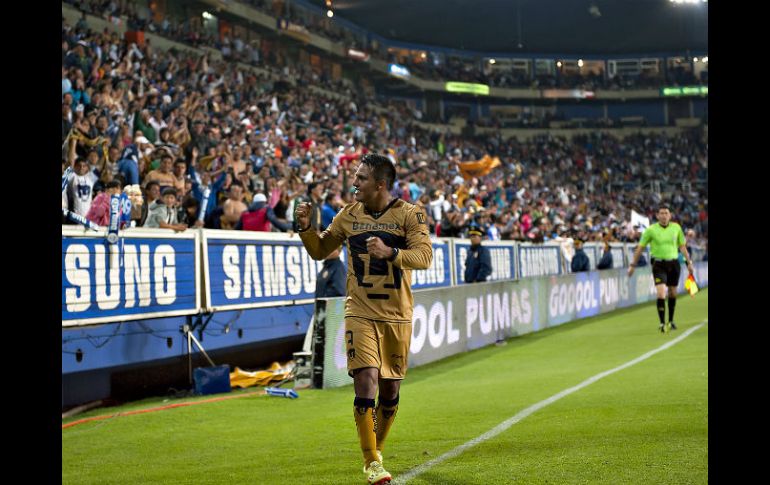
645	424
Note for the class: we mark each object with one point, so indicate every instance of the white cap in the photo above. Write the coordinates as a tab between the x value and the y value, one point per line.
142	139
260	198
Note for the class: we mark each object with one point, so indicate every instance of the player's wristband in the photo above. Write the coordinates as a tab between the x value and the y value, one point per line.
395	253
305	229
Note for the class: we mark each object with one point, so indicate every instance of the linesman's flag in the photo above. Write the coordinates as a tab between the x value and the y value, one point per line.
639	220
690	285
479	168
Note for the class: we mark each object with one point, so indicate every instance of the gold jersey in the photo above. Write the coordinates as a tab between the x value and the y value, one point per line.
377	289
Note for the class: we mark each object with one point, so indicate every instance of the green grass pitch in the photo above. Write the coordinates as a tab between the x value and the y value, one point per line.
646	424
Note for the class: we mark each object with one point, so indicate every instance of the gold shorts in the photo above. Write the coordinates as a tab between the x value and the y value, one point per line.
382	345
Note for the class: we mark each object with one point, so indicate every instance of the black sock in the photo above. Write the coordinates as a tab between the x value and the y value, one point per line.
387	403
363	403
671	307
662	310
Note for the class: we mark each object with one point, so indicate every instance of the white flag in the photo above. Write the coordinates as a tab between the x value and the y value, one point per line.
639	220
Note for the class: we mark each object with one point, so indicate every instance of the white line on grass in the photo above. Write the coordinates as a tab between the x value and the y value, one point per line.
535	407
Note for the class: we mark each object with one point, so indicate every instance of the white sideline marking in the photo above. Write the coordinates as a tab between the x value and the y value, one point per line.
535	407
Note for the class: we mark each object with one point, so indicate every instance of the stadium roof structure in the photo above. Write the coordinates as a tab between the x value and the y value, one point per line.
583	27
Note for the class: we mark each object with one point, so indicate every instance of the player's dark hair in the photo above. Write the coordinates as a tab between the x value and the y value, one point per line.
382	168
112	184
664	206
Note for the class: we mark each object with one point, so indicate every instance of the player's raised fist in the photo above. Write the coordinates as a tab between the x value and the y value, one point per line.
302	214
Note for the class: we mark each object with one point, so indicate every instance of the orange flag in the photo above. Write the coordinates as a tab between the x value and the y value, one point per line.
479	168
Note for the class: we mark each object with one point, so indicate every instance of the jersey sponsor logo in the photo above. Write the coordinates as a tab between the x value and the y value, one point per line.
420	218
363	226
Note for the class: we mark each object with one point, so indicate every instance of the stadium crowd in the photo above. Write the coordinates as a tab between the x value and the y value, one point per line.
258	141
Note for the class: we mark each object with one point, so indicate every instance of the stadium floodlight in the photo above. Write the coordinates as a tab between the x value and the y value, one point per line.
558	63
705	59
207	16
694	59
492	61
329	13
580	62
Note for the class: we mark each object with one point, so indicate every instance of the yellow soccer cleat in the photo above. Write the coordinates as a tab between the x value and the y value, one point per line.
376	474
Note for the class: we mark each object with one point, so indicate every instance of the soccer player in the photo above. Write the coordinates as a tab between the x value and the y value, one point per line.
386	239
664	237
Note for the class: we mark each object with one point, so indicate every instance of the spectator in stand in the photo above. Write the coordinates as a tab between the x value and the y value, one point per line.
606	260
163	213
322	136
580	261
260	216
233	207
151	195
329	210
189	213
163	175
99	213
180	177
315	195
80	186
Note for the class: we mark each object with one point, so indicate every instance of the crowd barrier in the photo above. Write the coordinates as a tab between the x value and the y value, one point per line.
150	273
448	321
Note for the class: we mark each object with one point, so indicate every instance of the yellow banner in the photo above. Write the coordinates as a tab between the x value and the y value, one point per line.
274	373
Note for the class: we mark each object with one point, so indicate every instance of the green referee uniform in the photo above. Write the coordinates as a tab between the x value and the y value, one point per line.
664	242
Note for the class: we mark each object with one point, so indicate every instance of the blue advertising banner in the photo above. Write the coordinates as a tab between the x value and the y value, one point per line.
503	260
539	260
141	276
440	272
250	270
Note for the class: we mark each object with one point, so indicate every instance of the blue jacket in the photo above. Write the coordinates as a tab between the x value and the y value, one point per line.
331	279
606	261
580	261
327	215
197	190
478	264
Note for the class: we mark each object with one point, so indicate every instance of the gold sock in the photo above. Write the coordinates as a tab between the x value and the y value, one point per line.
385	415
364	417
